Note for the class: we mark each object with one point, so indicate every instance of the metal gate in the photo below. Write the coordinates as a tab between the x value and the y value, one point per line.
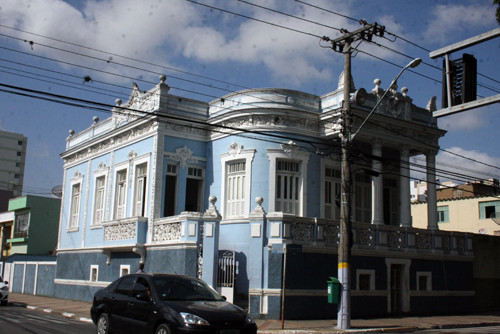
226	274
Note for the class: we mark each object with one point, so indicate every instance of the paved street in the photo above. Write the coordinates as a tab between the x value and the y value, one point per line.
20	320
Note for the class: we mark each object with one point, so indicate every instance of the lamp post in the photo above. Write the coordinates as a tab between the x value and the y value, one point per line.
345	242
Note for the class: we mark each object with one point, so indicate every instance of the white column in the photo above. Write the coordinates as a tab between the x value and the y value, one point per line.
431	191
377	185
404	187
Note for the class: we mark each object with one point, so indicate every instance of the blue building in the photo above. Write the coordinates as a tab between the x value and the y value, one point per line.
228	190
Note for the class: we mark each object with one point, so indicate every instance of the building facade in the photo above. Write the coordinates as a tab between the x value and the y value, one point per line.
228	190
12	161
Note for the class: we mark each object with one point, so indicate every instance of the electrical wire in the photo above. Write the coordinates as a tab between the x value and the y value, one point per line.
316	36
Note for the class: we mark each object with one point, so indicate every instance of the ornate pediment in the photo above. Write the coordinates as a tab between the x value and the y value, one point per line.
184	156
139	103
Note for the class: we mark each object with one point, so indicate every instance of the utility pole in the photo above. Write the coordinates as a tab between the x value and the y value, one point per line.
344	45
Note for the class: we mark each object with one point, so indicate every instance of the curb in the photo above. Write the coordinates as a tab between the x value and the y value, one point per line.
338	331
47	310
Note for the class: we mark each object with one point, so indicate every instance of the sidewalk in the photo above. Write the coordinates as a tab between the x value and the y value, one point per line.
81	311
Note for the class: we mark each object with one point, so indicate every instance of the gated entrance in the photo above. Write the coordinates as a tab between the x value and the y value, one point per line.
226	275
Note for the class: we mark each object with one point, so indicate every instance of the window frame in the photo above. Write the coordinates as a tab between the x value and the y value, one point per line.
119	170
334	211
124	267
482	206
428	276
247	156
297	156
94	268
371	273
144	191
18	233
74	218
173	200
201	186
102	172
444	211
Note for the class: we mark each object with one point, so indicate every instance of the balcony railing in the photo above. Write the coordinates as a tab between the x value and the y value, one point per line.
322	232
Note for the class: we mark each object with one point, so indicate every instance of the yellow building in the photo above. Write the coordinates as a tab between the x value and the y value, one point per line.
464	214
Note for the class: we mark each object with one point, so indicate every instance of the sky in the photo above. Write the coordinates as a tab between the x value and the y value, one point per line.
95	49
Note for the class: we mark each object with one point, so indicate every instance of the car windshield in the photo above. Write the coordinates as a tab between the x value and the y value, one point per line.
184	289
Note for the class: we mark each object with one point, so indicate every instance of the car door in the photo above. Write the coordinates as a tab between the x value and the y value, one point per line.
117	304
141	309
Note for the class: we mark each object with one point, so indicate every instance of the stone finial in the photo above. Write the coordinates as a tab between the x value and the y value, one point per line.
404	90
259	209
377	90
118	102
163	78
71	132
212	209
95	119
431	105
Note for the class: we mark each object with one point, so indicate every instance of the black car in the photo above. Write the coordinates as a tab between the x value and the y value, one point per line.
166	304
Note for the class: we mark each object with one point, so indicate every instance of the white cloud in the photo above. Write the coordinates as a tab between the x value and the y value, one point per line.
465	165
177	27
464	121
449	21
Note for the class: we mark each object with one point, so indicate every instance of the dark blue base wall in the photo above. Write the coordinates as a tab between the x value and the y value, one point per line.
307	273
73	269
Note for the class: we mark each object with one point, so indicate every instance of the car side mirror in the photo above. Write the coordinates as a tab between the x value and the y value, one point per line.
224	297
6	282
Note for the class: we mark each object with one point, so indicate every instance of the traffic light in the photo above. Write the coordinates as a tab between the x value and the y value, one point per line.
463	79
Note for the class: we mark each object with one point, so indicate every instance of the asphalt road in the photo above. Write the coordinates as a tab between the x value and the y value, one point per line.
20	320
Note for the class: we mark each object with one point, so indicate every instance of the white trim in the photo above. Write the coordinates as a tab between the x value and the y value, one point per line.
102	171
92	268
145	200
80	282
298	156
243	155
124	166
122	267
405	283
427	274
77	179
336	167
370	272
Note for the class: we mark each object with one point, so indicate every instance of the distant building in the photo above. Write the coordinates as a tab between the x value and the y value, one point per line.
12	161
473	207
6	223
35	225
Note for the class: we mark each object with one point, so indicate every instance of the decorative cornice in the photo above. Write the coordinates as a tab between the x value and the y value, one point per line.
110	143
290	149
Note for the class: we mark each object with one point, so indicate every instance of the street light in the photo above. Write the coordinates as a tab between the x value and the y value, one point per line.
414	63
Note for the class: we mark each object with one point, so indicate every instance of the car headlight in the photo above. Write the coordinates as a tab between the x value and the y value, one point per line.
249	319
191	319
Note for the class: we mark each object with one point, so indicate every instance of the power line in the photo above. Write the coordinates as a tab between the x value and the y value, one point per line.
105	108
255	19
289	15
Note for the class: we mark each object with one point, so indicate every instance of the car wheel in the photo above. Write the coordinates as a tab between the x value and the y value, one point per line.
102	325
5	302
163	329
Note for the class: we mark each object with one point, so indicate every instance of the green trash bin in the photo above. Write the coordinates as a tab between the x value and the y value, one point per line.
333	290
